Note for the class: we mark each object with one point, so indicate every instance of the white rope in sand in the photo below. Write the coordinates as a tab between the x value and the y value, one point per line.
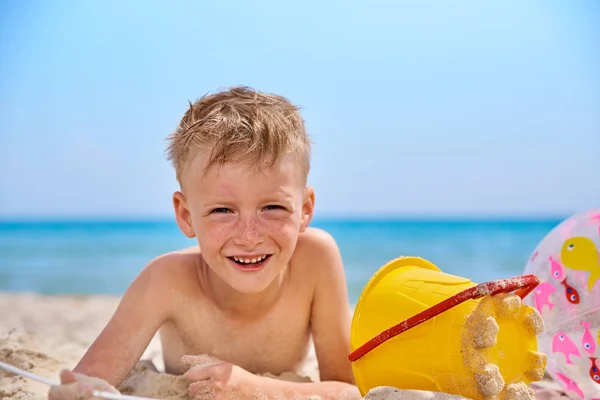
96	393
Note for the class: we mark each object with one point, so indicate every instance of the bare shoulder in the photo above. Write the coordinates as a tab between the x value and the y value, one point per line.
316	237
317	251
173	269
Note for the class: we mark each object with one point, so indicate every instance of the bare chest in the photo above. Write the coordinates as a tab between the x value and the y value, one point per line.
273	344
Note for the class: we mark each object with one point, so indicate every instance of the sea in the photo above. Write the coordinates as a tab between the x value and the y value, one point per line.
80	257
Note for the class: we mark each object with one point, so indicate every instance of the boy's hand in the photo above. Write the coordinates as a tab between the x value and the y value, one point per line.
215	379
75	386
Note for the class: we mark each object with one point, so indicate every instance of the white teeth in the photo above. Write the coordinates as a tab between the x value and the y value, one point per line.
250	260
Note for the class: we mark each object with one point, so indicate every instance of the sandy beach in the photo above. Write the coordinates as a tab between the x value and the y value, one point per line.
44	334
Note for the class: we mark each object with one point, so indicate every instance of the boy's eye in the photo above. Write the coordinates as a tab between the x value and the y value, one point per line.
273	207
220	210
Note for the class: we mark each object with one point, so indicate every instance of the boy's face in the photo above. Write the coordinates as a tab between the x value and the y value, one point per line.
247	223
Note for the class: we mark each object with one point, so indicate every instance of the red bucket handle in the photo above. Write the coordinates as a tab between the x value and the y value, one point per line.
522	284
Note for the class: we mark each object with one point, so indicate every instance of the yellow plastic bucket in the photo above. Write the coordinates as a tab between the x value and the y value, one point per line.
416	327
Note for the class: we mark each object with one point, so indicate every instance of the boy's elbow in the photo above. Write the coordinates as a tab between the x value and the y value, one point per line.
344	375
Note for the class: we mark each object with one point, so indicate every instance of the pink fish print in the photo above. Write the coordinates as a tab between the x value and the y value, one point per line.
555	268
570	385
562	343
542	296
587	341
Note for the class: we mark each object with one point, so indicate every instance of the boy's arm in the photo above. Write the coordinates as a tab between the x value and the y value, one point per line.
330	326
141	311
331	315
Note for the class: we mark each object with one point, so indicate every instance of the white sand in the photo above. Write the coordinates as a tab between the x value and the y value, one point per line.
44	334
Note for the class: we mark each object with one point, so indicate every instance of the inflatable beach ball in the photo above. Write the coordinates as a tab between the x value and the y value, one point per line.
567	262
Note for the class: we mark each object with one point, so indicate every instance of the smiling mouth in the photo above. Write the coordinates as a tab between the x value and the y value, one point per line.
250	262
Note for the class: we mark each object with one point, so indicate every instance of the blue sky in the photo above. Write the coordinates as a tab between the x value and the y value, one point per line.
415	107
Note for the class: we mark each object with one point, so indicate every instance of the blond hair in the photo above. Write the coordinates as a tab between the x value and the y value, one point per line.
240	125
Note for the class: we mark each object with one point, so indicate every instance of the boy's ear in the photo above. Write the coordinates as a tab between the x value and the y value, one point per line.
182	214
308	208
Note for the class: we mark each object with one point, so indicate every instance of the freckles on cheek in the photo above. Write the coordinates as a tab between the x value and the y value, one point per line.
281	229
215	233
218	233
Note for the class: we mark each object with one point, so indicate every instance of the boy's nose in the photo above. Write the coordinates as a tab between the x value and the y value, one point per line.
248	235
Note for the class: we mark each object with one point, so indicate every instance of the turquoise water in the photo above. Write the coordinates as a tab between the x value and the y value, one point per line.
83	257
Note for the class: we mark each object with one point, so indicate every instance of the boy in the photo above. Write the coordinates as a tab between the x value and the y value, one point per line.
260	281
